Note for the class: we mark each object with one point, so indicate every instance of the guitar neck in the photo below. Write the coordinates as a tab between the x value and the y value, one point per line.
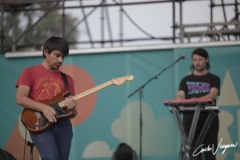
88	92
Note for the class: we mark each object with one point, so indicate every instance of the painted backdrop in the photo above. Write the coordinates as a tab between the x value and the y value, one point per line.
108	117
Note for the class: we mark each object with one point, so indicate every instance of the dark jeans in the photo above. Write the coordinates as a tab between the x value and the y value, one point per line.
201	150
54	143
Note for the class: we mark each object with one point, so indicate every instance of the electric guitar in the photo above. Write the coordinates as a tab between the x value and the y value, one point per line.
36	122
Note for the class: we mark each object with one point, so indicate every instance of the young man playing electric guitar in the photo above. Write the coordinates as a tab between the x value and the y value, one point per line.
41	83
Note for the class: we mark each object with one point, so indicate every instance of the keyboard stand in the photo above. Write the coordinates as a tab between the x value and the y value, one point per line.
188	139
213	110
205	128
199	106
183	135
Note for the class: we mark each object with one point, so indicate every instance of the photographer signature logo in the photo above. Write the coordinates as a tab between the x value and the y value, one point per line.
208	149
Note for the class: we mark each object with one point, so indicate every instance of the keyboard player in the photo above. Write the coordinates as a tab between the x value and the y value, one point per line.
201	84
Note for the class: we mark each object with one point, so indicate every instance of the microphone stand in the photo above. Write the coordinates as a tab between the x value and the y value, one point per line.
140	91
31	149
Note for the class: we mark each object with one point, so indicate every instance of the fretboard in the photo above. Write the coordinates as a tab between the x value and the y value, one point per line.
88	92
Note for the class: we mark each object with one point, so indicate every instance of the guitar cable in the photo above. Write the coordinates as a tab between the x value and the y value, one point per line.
24	148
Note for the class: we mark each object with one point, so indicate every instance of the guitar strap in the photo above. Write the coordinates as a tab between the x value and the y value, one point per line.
64	76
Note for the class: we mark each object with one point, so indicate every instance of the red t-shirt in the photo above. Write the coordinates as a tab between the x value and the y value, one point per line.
44	84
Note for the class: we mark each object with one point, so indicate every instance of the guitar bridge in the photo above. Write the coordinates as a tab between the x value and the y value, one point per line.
39	116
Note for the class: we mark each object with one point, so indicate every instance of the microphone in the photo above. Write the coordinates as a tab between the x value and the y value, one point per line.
182	57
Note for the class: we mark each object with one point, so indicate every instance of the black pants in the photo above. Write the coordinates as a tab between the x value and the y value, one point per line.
207	148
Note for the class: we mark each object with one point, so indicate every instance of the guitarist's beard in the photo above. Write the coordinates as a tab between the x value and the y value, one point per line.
56	66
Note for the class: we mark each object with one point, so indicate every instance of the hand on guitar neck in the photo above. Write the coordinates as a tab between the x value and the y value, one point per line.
71	104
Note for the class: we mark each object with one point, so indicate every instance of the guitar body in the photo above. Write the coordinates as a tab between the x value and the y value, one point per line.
36	122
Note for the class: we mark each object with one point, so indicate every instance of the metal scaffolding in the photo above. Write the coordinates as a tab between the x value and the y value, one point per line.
221	31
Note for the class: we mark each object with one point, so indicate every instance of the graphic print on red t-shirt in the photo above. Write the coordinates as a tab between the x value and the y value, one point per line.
48	87
44	84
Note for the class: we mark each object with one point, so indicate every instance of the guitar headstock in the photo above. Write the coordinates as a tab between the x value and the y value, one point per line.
119	81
